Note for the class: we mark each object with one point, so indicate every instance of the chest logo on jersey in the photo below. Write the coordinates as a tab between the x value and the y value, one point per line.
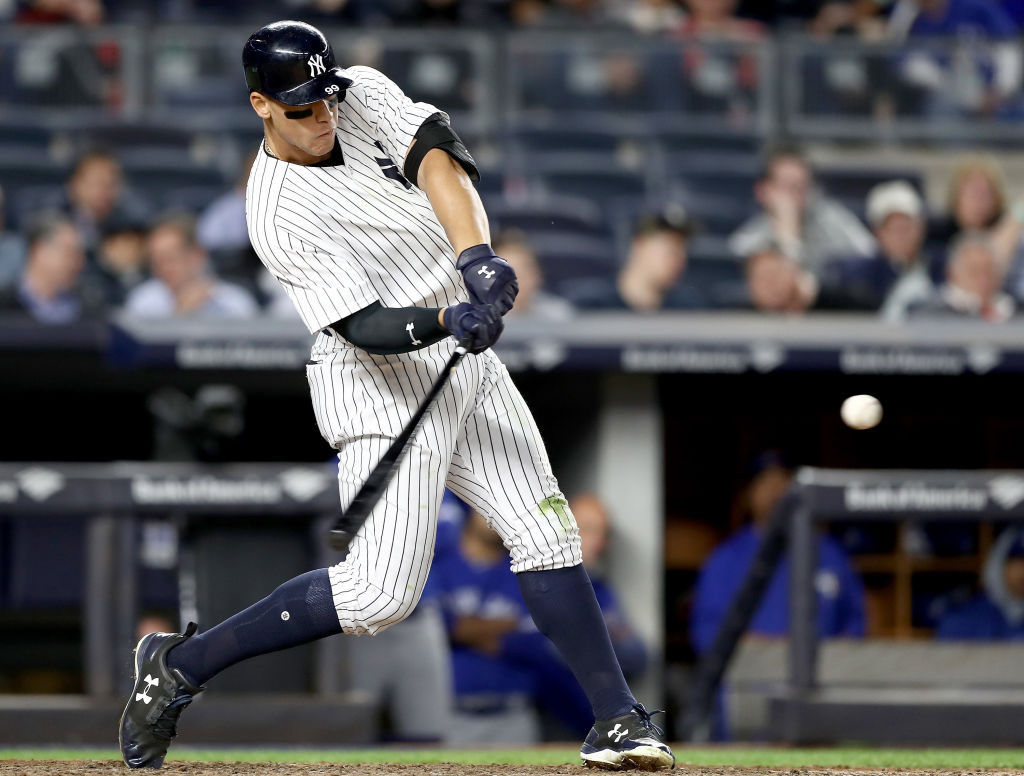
389	168
316	65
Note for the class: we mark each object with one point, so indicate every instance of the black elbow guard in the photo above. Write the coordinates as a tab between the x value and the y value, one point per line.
436	132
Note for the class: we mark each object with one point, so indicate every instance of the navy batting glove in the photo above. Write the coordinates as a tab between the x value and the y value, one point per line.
479	323
489	278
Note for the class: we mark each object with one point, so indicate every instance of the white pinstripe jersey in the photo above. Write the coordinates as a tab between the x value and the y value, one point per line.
340	238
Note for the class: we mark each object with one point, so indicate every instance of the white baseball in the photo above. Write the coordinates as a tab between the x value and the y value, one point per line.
861	411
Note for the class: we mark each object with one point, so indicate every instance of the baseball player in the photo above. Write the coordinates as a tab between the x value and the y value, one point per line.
362	205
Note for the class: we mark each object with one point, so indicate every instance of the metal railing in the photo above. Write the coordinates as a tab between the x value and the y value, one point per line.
190	77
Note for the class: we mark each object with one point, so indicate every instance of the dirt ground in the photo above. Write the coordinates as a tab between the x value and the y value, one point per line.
108	768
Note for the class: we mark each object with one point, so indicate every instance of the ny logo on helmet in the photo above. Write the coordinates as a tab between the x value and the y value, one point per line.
316	65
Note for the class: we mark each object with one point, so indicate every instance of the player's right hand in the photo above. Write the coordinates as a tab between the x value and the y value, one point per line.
481	324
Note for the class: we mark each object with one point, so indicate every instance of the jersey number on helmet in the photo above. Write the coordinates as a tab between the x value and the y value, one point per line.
332	89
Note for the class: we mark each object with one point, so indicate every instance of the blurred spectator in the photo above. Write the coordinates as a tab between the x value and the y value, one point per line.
777	284
96	195
337	11
896	277
997	613
120	263
82	12
580	14
182	283
781	13
1014	10
976	198
838	17
651	279
12	250
595	532
532	301
221	226
222	231
808	227
154	622
720	78
650	16
49	289
501	665
839	588
718	19
971	78
974	279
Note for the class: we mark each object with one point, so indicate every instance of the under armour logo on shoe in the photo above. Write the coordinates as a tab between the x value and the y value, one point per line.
487	273
617	734
150	683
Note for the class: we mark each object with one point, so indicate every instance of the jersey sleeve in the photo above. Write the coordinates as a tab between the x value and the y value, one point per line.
331	285
394	117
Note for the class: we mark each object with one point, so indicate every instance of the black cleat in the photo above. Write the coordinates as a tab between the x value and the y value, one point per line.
150	719
629	741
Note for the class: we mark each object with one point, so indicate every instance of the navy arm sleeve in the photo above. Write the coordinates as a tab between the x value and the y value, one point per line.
390	330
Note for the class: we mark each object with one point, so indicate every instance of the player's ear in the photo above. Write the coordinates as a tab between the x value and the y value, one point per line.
259	104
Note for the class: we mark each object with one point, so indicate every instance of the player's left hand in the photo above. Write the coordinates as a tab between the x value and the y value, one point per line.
489	278
478	323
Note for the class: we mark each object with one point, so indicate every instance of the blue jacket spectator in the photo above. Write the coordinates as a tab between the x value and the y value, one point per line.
595	531
840	591
949	18
997	613
502	666
993	83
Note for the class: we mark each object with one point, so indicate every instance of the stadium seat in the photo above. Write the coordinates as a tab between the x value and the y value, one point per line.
549	214
852	184
47	562
565	258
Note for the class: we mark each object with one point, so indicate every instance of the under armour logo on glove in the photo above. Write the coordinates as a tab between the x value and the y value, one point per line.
489	278
617	734
150	684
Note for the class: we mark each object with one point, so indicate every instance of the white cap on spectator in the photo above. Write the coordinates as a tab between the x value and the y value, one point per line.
893	197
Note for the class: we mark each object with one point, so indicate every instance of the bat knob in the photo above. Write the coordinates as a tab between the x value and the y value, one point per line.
340	539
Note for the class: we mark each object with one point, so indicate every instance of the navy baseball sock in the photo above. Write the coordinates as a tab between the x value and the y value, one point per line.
299	611
564	607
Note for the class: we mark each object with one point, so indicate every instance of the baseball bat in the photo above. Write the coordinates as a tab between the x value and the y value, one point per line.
351	520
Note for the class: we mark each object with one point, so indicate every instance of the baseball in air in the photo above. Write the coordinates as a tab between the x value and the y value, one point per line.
861	411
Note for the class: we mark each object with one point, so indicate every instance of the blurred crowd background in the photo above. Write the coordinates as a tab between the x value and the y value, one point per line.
777	158
640	155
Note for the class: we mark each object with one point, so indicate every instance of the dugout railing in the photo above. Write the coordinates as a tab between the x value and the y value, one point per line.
958	703
236	501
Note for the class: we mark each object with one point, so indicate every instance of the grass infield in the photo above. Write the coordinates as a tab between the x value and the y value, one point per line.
962	759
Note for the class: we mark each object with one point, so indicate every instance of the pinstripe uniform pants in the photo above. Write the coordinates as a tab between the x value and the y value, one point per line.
480	440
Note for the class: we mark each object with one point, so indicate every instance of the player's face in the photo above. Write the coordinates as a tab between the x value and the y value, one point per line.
301	134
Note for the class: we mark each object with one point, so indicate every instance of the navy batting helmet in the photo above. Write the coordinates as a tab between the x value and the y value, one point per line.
292	62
